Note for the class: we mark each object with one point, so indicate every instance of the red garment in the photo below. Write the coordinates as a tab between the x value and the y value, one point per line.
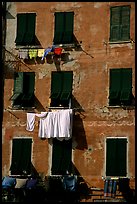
58	50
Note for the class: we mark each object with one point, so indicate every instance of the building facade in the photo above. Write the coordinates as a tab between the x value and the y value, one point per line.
74	57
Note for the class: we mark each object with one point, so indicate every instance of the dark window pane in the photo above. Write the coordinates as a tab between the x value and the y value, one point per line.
116	157
21	156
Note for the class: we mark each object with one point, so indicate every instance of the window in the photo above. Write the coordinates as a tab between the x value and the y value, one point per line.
21	156
23	95
61	156
63	33
116	157
120	23
61	88
25	29
120	89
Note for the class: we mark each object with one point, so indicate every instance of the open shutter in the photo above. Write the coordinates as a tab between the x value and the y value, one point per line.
59	27
115	24
115	86
68	32
18	85
21	28
67	85
126	90
29	37
125	23
56	84
21	156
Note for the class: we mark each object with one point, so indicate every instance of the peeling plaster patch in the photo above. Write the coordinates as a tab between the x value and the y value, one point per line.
5	170
97	5
3	134
41	75
94	29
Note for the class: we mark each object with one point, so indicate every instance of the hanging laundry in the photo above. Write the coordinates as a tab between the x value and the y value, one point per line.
58	51
46	52
56	124
30	121
110	187
41	52
23	53
33	53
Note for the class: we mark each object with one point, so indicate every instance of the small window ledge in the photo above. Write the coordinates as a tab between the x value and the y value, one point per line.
28	47
119	42
123	107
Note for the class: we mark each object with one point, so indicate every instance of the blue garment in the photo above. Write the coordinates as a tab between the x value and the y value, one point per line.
8	182
31	183
69	183
49	49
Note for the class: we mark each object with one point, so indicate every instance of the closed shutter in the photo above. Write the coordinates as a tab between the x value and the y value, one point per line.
21	28
67	85
126	90
68	32
121	157
59	27
61	156
29	37
115	24
120	23
125	23
18	85
56	84
115	86
21	156
116	154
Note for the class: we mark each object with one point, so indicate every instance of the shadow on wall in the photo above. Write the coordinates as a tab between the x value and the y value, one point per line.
38	105
78	128
127	192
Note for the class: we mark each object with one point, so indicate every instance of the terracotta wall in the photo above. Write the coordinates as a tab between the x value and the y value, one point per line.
94	120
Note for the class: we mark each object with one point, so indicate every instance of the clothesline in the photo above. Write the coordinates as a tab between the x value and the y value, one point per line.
56	124
41	52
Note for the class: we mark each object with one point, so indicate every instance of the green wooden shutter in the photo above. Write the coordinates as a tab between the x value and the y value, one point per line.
121	157
68	32
18	85
125	23
115	24
116	154
126	90
56	84
21	28
59	27
67	85
61	156
115	86
29	37
111	157
21	156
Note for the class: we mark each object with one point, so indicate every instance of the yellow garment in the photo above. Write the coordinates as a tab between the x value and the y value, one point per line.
40	52
33	53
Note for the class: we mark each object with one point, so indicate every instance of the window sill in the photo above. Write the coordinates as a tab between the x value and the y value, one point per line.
71	45
119	42
28	47
123	107
21	108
